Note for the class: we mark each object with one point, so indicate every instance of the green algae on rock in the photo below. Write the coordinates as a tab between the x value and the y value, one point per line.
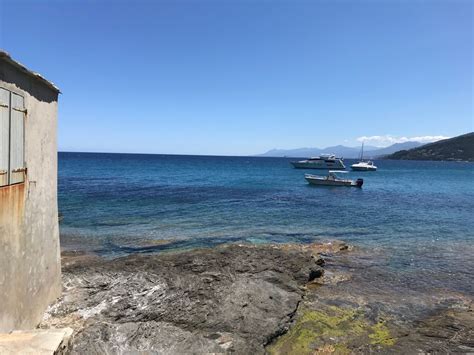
332	330
381	335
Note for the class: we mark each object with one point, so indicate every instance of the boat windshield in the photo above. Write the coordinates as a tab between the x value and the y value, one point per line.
327	156
333	174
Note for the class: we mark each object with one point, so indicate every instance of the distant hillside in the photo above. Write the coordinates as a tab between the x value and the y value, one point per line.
392	149
340	151
459	148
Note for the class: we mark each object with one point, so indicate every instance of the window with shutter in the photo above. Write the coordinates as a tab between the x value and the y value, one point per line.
17	139
4	136
12	138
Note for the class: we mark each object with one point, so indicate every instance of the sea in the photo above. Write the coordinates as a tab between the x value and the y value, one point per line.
414	217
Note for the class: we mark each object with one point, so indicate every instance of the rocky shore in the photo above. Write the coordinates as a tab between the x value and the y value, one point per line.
248	299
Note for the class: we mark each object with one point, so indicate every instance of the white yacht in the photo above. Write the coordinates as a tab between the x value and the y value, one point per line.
332	180
363	165
324	161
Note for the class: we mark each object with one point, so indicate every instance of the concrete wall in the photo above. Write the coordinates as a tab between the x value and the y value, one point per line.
30	270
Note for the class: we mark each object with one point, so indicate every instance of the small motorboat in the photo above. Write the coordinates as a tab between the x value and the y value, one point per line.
324	161
332	180
363	165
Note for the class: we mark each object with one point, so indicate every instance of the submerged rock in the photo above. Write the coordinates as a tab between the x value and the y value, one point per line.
449	331
232	298
358	307
332	329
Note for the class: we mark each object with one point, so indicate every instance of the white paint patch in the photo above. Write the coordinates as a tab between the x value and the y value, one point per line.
153	289
115	299
149	292
51	310
143	296
227	345
89	312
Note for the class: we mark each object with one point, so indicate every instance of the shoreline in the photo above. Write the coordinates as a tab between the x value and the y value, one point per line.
285	298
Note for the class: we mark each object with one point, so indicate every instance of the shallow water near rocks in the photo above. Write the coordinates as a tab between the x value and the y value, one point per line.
359	307
411	223
418	213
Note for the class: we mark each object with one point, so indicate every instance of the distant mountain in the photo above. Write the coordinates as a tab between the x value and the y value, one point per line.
392	149
460	148
340	151
345	152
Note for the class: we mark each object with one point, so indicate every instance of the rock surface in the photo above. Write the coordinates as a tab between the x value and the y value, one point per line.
232	298
249	299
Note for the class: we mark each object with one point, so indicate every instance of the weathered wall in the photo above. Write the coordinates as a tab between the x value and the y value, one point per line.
30	271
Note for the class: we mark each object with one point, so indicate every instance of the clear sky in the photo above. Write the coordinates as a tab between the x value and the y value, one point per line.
242	77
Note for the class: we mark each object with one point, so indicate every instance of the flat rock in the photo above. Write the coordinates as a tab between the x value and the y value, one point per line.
232	298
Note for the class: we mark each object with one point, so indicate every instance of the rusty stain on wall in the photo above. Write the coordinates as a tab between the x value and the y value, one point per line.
12	203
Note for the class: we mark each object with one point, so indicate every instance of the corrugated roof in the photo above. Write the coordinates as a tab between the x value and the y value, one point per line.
5	56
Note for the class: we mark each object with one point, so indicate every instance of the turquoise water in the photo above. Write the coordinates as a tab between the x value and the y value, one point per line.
419	214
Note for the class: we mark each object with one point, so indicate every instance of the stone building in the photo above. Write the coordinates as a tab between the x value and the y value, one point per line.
30	270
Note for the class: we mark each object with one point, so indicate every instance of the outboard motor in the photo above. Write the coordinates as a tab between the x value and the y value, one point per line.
359	182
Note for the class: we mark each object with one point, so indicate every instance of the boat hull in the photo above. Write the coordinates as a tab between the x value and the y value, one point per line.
320	181
362	168
318	165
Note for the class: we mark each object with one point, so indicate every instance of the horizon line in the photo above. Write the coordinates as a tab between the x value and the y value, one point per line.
176	154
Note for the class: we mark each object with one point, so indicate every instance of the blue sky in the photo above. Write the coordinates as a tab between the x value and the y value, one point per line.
242	77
